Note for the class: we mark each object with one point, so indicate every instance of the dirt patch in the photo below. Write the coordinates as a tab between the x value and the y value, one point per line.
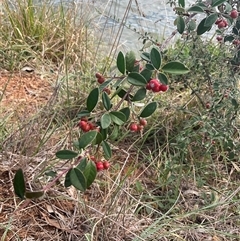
23	92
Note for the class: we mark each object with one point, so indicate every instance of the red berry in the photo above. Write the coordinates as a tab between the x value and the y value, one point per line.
133	127
101	80
86	128
106	164
219	38
148	87
92	126
107	90
93	158
218	21
236	42
163	88
140	127
156	88
98	75
99	166
208	105
234	13
82	123
225	23
143	122
221	24
154	83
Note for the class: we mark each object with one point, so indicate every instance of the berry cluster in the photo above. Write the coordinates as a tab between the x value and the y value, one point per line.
100	164
221	23
100	78
135	127
155	86
86	125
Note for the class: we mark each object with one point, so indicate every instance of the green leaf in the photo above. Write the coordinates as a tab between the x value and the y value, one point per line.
92	99
216	3
86	139
121	64
136	79
77	179
229	38
192	25
181	3
149	67
210	20
235	103
106	150
83	113
105	120
51	174
114	133
163	78
130	60
201	29
180	24
106	101
66	154
99	139
90	173
148	109
147	74
156	58
82	164
34	194
104	133
196	9
126	112
139	95
67	181
145	56
118	117
175	67
19	184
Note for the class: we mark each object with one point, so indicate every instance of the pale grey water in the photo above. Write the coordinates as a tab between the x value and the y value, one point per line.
154	17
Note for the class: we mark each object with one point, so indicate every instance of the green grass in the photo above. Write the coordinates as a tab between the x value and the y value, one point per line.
171	184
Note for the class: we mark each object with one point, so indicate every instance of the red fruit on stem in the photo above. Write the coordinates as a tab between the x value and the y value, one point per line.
234	13
107	90
86	128
225	23
93	158
153	83
99	166
101	80
82	123
140	127
236	42
221	24
98	75
92	126
106	164
208	105
133	127
148	87
143	122
156	88
163	88
218	21
219	38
